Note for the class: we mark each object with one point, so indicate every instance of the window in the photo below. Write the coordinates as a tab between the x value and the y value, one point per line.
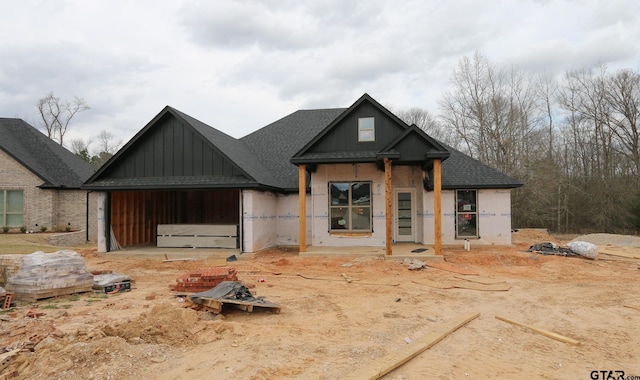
11	205
350	206
366	129
466	214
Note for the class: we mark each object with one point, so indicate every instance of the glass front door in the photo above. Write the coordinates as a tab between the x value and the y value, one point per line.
404	212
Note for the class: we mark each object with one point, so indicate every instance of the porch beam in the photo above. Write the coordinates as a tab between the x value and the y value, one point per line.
437	204
389	206
302	206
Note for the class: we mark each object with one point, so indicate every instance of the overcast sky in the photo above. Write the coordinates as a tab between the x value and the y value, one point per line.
240	65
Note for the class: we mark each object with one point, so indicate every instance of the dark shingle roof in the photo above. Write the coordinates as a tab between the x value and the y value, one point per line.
275	144
460	171
47	159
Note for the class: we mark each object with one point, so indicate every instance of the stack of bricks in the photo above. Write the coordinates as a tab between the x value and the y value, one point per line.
9	266
204	279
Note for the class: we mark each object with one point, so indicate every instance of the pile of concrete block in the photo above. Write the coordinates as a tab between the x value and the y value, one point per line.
204	279
44	275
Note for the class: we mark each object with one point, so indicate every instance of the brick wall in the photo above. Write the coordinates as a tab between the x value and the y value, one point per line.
54	209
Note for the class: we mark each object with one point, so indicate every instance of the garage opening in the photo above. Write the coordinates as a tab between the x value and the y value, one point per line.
135	215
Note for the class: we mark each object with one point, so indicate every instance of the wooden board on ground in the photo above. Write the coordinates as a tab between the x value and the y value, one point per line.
628	252
481	280
548	334
450	268
390	362
500	287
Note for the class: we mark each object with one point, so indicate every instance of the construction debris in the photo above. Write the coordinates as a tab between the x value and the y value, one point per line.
233	293
414	264
45	275
204	279
575	248
111	283
397	358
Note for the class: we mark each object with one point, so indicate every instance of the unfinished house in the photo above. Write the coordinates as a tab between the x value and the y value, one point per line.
339	177
40	182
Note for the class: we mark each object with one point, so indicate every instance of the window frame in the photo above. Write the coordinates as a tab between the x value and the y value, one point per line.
350	208
468	212
5	210
365	133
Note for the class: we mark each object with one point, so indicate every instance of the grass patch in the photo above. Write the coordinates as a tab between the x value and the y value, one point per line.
50	306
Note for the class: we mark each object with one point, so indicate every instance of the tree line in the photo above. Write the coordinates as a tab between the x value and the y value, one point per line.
574	141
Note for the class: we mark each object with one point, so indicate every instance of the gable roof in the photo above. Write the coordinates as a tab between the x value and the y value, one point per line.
267	157
315	150
243	168
414	146
55	165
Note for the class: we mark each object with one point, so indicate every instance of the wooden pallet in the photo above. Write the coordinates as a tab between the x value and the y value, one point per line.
50	293
215	305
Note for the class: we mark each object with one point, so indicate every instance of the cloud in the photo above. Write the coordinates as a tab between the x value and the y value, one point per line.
239	65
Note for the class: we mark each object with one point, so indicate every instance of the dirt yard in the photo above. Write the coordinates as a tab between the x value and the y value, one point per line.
329	328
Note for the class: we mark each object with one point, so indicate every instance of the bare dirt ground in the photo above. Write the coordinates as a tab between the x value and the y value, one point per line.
329	328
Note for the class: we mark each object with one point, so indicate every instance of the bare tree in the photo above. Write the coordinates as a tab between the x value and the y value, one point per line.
107	147
425	121
493	112
56	114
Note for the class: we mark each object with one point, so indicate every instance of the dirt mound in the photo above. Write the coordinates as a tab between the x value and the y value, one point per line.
164	324
610	239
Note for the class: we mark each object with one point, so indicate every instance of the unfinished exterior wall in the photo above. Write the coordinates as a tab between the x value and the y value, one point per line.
259	220
288	226
101	220
448	217
494	217
320	208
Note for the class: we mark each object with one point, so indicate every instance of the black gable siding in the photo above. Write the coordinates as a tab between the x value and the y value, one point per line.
344	136
171	149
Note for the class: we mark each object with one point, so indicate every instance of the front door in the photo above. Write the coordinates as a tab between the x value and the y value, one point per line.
404	215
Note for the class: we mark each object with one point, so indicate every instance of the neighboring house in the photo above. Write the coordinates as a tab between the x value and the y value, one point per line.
360	176
40	182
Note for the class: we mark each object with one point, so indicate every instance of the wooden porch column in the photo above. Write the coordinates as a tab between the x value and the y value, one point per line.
389	205
302	207
437	204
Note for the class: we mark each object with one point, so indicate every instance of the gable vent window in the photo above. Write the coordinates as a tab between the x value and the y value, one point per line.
366	129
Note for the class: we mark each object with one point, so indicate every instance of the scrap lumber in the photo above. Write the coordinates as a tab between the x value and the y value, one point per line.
548	334
352	280
450	268
346	278
632	307
398	358
497	287
627	252
481	280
